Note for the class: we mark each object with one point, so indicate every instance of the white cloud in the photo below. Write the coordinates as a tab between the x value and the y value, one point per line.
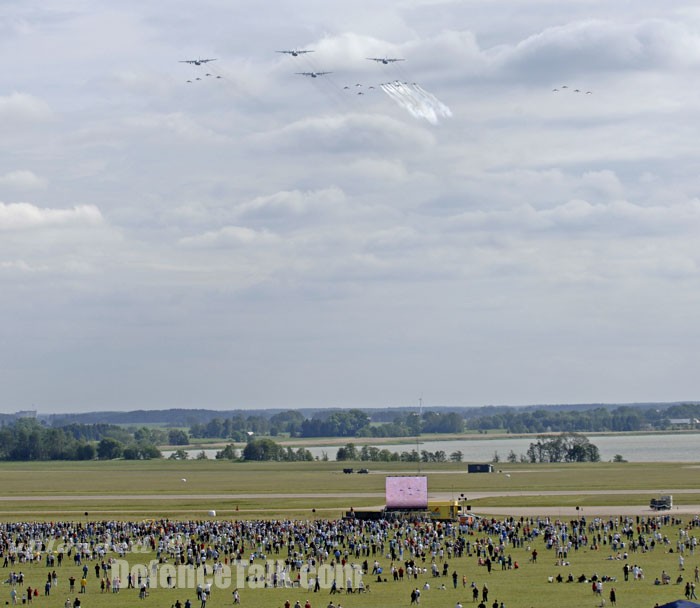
230	236
26	216
22	107
301	226
22	180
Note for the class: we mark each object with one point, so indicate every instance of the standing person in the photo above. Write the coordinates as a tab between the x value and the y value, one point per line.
204	600
613	596
485	594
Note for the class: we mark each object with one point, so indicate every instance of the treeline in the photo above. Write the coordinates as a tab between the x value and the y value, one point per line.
239	427
360	423
255	450
567	447
369	453
600	419
27	439
333	423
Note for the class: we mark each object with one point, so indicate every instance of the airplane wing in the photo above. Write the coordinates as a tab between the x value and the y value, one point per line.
206	60
392	60
187	61
374	59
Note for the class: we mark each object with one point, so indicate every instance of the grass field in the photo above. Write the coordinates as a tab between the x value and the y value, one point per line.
155	490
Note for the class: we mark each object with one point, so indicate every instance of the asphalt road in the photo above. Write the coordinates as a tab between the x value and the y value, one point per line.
563	511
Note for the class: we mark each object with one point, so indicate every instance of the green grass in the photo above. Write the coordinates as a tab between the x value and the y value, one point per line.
153	490
527	586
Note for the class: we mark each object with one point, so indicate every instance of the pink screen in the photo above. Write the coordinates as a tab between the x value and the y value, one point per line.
406	492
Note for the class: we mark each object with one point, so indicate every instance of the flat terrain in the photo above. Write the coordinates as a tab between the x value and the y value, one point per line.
175	490
183	489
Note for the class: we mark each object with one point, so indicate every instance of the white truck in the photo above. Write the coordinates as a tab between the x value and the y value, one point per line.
662	503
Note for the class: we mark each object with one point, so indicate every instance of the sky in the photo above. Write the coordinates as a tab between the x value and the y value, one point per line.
267	239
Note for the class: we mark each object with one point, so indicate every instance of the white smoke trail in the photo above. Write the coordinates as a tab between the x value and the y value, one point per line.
417	101
440	108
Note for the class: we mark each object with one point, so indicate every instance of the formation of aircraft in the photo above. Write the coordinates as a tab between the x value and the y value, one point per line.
564	87
385	60
313	74
197	61
294	53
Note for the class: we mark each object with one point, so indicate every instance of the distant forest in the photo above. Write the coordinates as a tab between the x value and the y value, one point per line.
137	434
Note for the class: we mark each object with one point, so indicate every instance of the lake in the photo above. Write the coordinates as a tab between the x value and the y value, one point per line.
634	448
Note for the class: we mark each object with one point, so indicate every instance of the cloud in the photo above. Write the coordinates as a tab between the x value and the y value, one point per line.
600	46
293	204
348	134
177	123
26	216
22	180
229	236
22	107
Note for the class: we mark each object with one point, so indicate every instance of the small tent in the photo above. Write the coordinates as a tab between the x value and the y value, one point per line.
681	604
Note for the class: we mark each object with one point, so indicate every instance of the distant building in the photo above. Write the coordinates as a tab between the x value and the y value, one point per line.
477	467
683	421
25	414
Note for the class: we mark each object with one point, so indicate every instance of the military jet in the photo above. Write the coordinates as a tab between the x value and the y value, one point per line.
384	60
197	61
313	74
294	52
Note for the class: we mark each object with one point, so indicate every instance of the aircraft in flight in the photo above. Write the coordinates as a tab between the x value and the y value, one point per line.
313	74
197	61
294	52
384	60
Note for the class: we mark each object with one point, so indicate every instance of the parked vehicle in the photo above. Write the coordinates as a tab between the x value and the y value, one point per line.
662	503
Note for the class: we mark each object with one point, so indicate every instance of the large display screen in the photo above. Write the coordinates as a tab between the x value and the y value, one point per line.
406	492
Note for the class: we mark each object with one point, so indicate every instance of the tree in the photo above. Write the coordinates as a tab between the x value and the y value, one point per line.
179	455
85	451
228	453
178	437
456	456
109	448
348	452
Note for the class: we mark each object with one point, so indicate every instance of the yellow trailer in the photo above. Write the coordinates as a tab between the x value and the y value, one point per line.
444	510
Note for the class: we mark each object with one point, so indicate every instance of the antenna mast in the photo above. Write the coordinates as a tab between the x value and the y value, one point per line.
418	428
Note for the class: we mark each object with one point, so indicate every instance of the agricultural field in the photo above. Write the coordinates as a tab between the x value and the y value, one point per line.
190	490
